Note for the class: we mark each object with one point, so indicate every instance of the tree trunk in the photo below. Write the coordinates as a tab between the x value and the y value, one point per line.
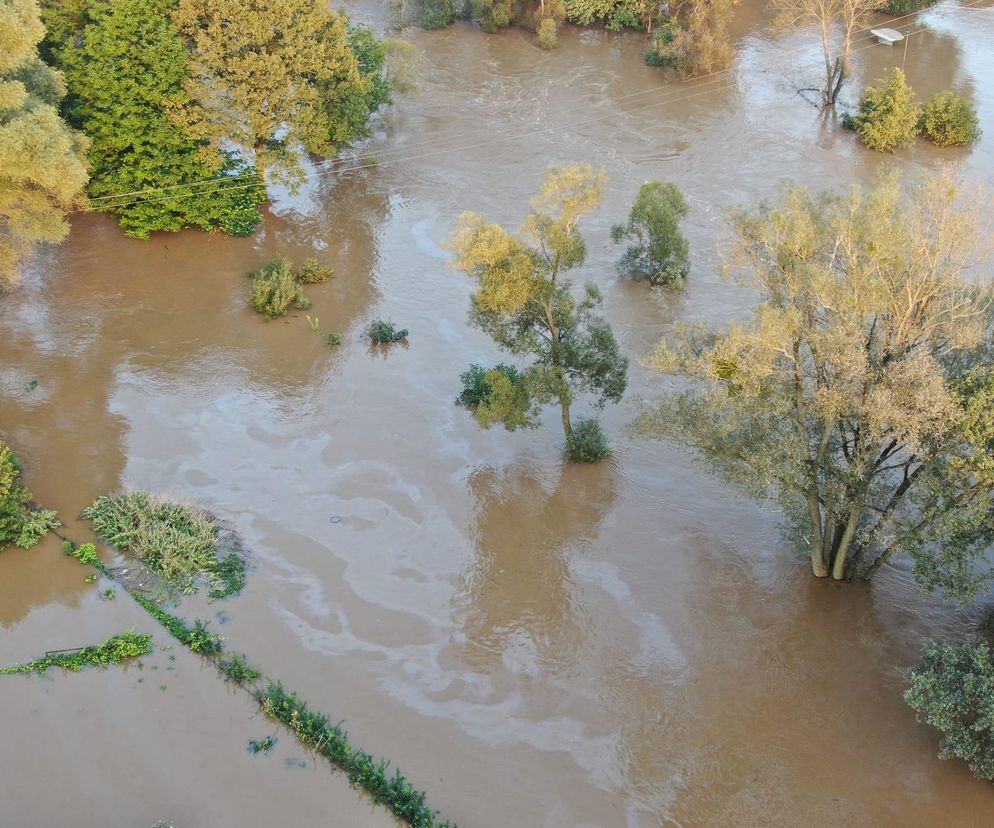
567	425
260	165
819	566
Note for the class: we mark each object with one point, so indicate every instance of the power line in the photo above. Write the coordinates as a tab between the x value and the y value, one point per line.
714	82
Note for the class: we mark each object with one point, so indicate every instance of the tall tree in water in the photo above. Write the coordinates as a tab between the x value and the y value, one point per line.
42	173
836	21
526	305
126	66
279	77
861	393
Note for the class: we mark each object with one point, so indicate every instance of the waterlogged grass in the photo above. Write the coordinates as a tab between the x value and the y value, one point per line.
177	542
237	669
114	650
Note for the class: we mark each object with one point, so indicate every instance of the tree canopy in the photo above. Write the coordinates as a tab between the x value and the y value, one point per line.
660	253
861	392
42	172
278	77
524	303
126	67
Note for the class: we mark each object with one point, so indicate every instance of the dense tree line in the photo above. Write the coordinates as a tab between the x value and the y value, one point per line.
177	107
692	36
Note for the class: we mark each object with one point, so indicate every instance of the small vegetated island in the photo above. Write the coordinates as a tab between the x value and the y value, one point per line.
183	545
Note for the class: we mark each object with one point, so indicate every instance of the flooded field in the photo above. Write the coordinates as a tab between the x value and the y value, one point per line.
624	645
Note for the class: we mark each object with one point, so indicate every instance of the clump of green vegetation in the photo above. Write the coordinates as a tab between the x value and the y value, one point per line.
85	553
660	253
382	333
661	54
586	443
262	745
278	285
888	115
903	7
546	33
333	340
237	669
315	731
114	650
949	120
952	689
274	289
21	524
180	543
311	272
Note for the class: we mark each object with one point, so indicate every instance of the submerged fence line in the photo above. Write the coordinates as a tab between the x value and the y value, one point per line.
313	730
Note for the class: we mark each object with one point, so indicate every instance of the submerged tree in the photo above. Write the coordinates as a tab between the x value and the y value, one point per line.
861	393
696	38
126	66
837	21
279	77
660	252
525	304
42	173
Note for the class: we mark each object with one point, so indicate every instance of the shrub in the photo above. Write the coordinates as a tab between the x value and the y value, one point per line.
952	689
381	332
547	33
903	7
435	14
274	288
20	523
586	443
888	115
313	273
660	254
179	543
949	120
661	54
333	340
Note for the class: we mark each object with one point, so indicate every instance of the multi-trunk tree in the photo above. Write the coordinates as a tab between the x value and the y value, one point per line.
837	23
42	172
861	392
526	305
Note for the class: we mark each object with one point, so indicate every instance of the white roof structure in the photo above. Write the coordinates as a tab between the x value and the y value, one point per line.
888	36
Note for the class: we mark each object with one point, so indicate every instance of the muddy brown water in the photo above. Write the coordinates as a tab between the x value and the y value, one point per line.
629	644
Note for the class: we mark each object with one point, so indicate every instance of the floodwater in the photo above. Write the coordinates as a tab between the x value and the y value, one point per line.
624	645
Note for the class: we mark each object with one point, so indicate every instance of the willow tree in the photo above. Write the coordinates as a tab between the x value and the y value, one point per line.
526	305
278	77
836	21
42	172
861	392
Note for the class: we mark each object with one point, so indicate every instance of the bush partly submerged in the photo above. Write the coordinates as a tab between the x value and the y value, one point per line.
278	285
381	332
587	443
949	120
182	544
21	524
